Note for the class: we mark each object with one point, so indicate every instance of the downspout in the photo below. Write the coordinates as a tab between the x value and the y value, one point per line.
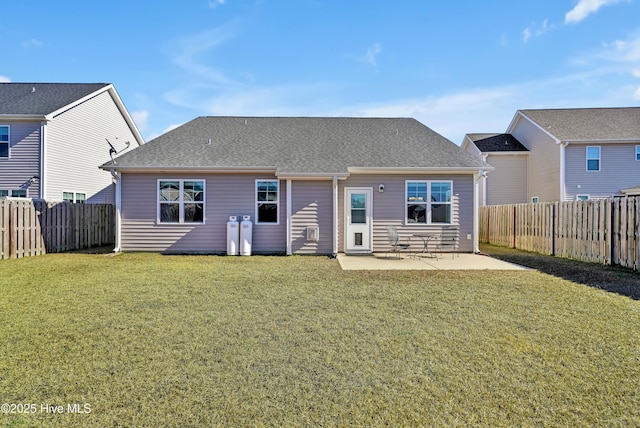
563	145
117	178
484	183
476	212
335	216
43	160
289	251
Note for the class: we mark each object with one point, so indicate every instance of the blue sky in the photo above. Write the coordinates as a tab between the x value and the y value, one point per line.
458	66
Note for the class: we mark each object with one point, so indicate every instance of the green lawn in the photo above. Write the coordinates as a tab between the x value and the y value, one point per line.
152	340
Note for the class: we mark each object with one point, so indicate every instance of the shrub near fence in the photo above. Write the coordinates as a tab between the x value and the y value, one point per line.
599	230
30	228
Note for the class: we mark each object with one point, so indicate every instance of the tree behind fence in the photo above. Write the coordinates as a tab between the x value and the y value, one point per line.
600	231
30	228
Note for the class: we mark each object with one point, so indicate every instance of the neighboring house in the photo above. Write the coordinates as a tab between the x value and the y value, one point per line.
509	158
573	154
310	185
54	136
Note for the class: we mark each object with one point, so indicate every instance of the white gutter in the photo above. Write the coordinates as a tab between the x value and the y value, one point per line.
335	216
476	211
43	160
289	250
118	180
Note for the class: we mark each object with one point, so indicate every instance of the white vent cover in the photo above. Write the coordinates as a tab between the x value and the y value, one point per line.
313	233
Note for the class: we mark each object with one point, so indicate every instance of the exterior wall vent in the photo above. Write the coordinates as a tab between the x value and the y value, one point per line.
313	233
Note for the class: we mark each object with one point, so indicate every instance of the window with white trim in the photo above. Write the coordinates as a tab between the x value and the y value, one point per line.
428	202
593	158
267	201
582	197
535	199
181	201
638	153
4	193
74	197
4	141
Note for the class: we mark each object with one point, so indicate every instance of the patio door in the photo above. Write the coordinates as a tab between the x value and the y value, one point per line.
358	222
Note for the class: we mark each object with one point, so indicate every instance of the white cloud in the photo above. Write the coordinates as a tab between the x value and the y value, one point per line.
141	118
636	94
536	30
636	72
4	79
215	3
32	43
370	57
585	8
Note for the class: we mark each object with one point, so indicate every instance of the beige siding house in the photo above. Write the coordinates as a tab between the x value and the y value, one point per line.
309	185
54	136
571	154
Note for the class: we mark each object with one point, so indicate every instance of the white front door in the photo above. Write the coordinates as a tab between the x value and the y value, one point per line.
358	221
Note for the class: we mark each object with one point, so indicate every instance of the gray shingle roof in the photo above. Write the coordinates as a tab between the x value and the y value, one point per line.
22	99
300	145
499	143
589	124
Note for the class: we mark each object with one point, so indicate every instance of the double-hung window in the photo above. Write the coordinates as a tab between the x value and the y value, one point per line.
74	197
428	202
4	141
181	201
638	153
267	201
593	158
17	193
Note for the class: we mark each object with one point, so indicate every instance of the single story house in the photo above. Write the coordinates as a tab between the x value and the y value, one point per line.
312	185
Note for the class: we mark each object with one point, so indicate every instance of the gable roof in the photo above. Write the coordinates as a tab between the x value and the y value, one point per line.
497	143
42	98
588	124
299	145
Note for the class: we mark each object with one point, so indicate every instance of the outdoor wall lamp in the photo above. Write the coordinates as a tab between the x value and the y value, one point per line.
381	188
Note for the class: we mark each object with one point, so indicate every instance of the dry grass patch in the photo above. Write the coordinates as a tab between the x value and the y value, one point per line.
151	340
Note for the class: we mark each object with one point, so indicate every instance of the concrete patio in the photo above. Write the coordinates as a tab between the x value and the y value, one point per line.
462	261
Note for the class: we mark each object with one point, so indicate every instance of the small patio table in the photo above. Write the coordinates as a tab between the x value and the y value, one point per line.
426	239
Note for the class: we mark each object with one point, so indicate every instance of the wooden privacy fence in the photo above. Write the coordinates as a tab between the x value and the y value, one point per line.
30	228
602	231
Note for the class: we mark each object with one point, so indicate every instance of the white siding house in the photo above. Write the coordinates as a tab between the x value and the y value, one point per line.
57	135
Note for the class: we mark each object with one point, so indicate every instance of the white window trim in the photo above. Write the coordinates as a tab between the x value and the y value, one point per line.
599	159
578	197
8	142
75	196
277	201
181	201
535	199
428	202
637	152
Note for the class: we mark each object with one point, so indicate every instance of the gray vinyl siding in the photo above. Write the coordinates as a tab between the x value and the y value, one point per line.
618	170
76	146
507	184
543	167
389	208
311	206
24	158
225	195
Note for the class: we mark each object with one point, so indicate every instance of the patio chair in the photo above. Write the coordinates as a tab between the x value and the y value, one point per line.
449	243
396	245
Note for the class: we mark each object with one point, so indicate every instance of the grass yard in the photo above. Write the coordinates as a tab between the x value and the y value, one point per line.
152	340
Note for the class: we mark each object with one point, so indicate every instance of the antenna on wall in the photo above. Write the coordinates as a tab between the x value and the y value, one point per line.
113	151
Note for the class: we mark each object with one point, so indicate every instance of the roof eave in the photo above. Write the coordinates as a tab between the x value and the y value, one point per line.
23	117
414	170
188	169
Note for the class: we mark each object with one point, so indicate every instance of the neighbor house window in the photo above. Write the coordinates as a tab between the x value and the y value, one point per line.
74	197
593	158
582	197
4	193
4	141
181	201
19	193
267	200
638	153
428	202
535	200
